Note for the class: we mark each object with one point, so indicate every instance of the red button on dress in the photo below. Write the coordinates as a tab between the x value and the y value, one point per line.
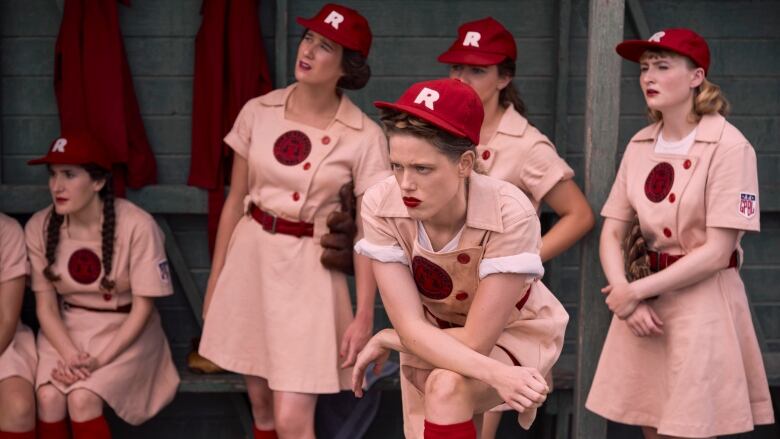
463	258
687	164
325	140
672	198
667	232
485	155
306	166
462	295
106	297
296	196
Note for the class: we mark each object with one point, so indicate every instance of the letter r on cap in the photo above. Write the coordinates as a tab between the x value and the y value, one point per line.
656	38
59	145
333	19
472	39
428	96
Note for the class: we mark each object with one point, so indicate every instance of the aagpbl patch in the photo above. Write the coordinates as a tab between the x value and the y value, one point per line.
748	204
84	266
165	271
292	148
432	281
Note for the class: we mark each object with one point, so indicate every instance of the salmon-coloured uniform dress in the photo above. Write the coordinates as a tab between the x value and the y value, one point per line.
501	235
277	313
520	154
142	379
19	357
704	376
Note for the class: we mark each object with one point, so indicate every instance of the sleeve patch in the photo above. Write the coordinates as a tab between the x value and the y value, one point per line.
165	272
748	204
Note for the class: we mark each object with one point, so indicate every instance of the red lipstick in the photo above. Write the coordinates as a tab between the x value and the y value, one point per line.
411	201
650	92
60	200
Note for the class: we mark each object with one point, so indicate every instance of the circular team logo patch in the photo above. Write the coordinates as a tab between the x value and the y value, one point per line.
84	266
432	281
292	148
659	182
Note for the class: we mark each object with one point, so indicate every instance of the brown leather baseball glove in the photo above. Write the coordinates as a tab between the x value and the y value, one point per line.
342	228
635	257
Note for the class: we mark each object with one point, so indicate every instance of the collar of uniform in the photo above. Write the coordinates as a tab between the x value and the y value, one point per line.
710	129
348	113
484	209
512	123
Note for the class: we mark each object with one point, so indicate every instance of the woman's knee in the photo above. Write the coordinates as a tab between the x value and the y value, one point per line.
51	403
17	405
84	405
294	416
445	386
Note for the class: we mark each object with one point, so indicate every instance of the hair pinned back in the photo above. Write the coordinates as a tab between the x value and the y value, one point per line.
452	146
707	97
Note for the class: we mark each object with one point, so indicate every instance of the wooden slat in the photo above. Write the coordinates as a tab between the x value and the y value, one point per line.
602	112
179	265
153	199
638	18
280	44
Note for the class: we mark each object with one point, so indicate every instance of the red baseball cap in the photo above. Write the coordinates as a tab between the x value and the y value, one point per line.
483	42
683	41
446	103
341	24
75	149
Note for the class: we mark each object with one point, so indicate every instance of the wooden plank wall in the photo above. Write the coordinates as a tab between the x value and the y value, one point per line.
409	34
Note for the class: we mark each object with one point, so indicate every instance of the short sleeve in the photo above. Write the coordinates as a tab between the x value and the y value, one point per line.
150	273
35	238
240	136
732	189
617	205
379	242
516	249
542	169
373	163
13	254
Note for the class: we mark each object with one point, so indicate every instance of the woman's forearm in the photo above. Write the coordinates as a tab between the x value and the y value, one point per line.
11	293
699	264
365	287
443	350
128	331
611	252
53	327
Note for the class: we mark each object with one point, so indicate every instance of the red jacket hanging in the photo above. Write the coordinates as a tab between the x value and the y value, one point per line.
95	90
230	68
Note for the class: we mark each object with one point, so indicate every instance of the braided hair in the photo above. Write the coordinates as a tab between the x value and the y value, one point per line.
106	194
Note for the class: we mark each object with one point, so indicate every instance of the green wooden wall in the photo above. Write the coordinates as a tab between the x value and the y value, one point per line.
408	35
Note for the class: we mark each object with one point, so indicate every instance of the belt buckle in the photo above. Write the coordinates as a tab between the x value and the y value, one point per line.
273	225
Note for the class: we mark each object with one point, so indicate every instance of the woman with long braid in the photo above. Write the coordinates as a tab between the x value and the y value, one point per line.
97	265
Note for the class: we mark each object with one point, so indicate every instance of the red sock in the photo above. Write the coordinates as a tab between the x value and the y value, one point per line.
265	434
53	430
25	435
462	430
96	428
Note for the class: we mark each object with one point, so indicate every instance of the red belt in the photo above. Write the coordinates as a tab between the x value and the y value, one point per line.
659	260
274	224
124	309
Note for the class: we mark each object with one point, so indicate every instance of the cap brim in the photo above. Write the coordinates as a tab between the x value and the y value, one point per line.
426	116
38	161
471	58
